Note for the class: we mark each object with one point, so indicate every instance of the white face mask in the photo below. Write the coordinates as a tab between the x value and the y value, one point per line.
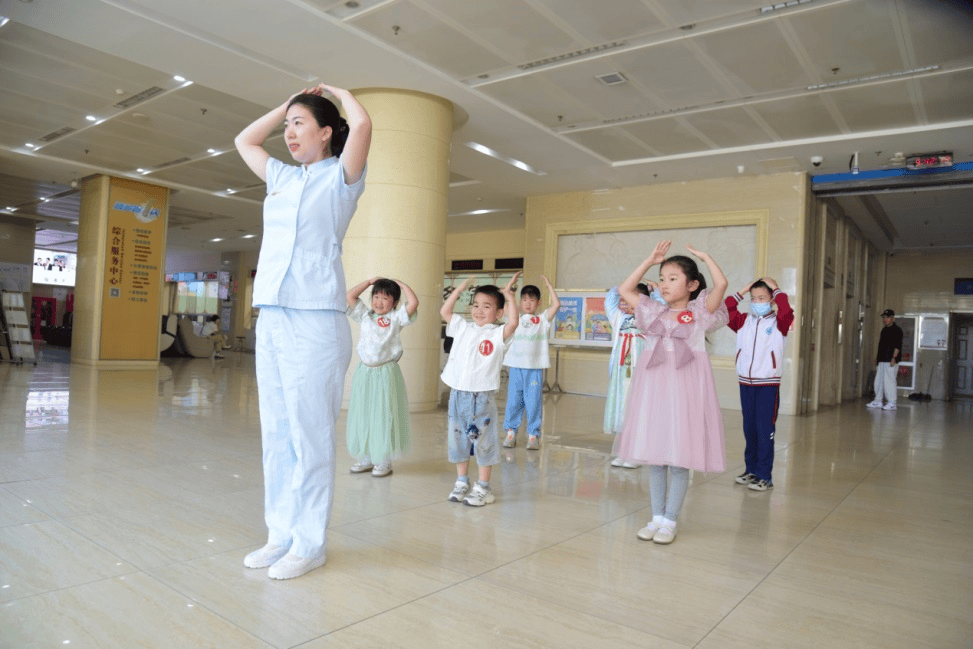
760	309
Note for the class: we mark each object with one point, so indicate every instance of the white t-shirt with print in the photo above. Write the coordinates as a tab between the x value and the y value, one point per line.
379	341
529	347
476	357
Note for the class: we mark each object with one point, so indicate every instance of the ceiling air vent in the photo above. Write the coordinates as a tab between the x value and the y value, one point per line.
139	98
612	79
178	161
56	134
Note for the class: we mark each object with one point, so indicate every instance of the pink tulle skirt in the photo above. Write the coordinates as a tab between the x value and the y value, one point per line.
672	416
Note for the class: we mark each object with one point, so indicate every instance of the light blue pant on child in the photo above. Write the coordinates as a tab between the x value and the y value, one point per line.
525	391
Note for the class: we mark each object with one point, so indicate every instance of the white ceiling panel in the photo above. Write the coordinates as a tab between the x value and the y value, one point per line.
601	23
673	73
667	136
948	97
428	39
876	107
939	30
613	144
693	11
511	27
730	127
801	117
580	82
765	64
858	38
541	99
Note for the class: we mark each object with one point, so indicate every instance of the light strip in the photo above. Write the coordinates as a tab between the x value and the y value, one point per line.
485	150
478	212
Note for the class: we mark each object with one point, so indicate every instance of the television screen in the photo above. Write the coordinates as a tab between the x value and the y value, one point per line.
54	267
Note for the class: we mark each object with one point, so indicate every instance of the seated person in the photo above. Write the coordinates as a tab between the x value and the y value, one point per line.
211	330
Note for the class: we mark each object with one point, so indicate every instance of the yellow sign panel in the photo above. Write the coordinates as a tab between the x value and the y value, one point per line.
137	217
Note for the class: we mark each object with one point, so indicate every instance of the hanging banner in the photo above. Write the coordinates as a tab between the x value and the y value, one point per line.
137	217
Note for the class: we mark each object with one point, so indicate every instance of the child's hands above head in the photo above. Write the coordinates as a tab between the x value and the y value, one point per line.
699	253
659	253
746	289
510	284
769	281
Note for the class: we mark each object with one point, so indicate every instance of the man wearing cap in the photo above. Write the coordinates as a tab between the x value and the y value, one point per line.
889	351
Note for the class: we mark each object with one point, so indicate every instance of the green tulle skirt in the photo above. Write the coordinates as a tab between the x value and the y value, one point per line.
378	413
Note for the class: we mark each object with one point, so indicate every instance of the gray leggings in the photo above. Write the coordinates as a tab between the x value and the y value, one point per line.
668	502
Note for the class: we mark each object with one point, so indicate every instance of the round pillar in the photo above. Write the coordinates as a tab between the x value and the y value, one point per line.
399	229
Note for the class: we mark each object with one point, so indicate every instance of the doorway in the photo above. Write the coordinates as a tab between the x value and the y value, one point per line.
961	356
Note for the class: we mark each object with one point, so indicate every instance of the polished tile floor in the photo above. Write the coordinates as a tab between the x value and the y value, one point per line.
128	500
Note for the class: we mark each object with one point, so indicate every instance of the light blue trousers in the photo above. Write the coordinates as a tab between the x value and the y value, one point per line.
525	391
301	359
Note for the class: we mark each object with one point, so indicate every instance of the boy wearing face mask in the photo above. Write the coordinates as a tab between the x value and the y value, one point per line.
760	351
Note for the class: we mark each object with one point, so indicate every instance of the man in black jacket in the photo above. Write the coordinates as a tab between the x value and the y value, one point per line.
888	356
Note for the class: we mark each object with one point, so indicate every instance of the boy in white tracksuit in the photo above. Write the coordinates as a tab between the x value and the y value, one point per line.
760	350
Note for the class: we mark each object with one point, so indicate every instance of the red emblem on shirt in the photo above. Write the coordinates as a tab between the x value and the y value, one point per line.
486	348
534	319
383	321
685	317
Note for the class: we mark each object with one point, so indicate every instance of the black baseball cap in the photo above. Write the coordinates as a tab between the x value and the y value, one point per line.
888	313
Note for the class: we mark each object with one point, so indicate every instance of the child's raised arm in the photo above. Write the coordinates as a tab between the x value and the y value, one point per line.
715	297
510	309
555	301
447	309
355	291
411	301
629	288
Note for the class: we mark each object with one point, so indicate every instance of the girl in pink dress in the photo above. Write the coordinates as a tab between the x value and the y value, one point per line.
672	417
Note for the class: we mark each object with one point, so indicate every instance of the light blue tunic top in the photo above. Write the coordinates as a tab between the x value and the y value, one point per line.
306	215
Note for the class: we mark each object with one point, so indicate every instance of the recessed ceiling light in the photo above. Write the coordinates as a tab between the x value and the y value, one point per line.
178	78
11	209
210	150
91	118
216	239
230	191
140	170
248	236
31	145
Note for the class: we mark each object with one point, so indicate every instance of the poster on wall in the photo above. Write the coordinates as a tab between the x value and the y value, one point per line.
137	216
568	319
933	333
597	327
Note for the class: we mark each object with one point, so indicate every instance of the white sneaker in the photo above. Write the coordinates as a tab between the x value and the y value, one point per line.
382	470
361	467
890	406
874	404
479	496
266	556
511	439
460	489
291	566
533	444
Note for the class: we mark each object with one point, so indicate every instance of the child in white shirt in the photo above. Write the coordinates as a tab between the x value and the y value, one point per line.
378	411
526	361
473	374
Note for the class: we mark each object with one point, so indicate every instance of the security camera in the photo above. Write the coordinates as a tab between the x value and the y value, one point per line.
816	160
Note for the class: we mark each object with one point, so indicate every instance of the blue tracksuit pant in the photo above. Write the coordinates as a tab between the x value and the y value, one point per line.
760	403
525	391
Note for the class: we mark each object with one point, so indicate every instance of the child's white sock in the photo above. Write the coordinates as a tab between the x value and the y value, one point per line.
657	519
669	524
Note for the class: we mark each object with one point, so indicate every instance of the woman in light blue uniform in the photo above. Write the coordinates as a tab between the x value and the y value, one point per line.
303	337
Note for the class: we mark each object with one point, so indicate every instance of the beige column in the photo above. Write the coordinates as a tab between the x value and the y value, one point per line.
121	258
399	230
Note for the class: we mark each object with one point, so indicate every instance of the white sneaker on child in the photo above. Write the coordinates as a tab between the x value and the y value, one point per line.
460	489
479	496
511	440
533	444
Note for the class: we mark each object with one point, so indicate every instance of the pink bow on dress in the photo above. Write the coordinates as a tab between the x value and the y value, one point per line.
678	336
